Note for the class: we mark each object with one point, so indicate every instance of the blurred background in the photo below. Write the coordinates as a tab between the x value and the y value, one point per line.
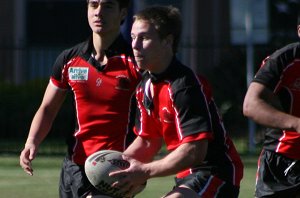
225	40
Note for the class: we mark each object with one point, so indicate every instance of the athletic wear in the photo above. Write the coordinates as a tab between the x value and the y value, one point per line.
280	72
207	185
102	95
277	176
73	181
176	106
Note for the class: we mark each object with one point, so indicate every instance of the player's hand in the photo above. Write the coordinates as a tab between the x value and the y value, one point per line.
27	155
132	178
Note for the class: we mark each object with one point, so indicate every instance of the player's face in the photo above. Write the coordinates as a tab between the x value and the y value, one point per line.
148	47
105	16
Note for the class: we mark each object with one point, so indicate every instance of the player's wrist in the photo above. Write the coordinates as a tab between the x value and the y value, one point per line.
31	141
149	171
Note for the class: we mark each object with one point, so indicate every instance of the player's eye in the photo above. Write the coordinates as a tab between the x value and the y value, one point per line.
133	37
145	38
93	3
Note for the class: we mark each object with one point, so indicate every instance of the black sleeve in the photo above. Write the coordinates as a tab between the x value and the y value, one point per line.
193	110
133	116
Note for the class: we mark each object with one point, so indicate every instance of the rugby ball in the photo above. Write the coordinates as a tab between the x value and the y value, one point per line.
98	166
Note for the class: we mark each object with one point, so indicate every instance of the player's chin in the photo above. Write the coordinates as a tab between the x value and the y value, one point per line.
141	65
98	29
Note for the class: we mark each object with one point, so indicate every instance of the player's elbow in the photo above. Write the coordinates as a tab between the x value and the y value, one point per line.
247	108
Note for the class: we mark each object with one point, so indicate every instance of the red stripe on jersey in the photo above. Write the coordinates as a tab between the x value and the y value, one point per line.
212	187
258	166
237	164
57	84
197	136
289	144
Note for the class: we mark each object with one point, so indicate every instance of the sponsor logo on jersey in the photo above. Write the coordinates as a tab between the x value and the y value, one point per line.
78	73
167	116
98	82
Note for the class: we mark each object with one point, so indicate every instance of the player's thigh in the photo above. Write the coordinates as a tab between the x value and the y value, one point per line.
182	192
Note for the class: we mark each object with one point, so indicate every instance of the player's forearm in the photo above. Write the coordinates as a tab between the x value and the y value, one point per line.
264	107
40	126
185	156
265	114
143	149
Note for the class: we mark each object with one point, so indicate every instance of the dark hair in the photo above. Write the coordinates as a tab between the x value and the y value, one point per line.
166	20
122	3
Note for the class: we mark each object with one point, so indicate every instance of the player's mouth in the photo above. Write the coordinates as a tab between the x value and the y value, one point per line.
98	22
138	57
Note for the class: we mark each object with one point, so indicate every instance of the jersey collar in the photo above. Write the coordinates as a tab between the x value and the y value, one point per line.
119	46
155	78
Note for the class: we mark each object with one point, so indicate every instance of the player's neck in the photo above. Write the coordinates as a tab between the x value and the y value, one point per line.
102	42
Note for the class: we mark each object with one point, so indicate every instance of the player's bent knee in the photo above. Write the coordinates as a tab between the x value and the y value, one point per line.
182	192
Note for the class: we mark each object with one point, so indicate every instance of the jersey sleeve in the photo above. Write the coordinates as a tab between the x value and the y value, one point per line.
272	67
58	76
192	108
268	73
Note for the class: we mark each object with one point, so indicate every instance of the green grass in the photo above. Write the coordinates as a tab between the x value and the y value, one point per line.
14	183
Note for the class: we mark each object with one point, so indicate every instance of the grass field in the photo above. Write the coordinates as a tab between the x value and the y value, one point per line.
14	183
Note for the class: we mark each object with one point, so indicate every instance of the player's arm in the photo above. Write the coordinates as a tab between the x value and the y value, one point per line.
260	104
186	155
41	124
143	149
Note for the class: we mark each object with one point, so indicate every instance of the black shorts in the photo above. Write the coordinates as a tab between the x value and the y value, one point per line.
207	185
277	176
73	181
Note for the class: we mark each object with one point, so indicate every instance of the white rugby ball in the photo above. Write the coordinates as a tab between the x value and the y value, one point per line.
98	166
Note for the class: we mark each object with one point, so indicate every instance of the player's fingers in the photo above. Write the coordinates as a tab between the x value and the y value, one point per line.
129	159
31	154
124	187
23	160
125	157
119	174
27	168
29	171
121	182
25	163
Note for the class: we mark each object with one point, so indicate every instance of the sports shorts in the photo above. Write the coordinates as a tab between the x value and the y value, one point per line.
277	176
73	181
207	185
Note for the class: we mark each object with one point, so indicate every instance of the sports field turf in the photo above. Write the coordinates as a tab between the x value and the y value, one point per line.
14	183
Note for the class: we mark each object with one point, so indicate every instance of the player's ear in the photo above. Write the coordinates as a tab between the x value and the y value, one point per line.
169	40
298	30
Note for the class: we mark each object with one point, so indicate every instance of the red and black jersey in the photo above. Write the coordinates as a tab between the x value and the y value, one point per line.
178	107
280	72
102	96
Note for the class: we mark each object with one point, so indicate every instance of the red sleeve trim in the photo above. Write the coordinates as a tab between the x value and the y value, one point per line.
58	83
135	131
197	136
